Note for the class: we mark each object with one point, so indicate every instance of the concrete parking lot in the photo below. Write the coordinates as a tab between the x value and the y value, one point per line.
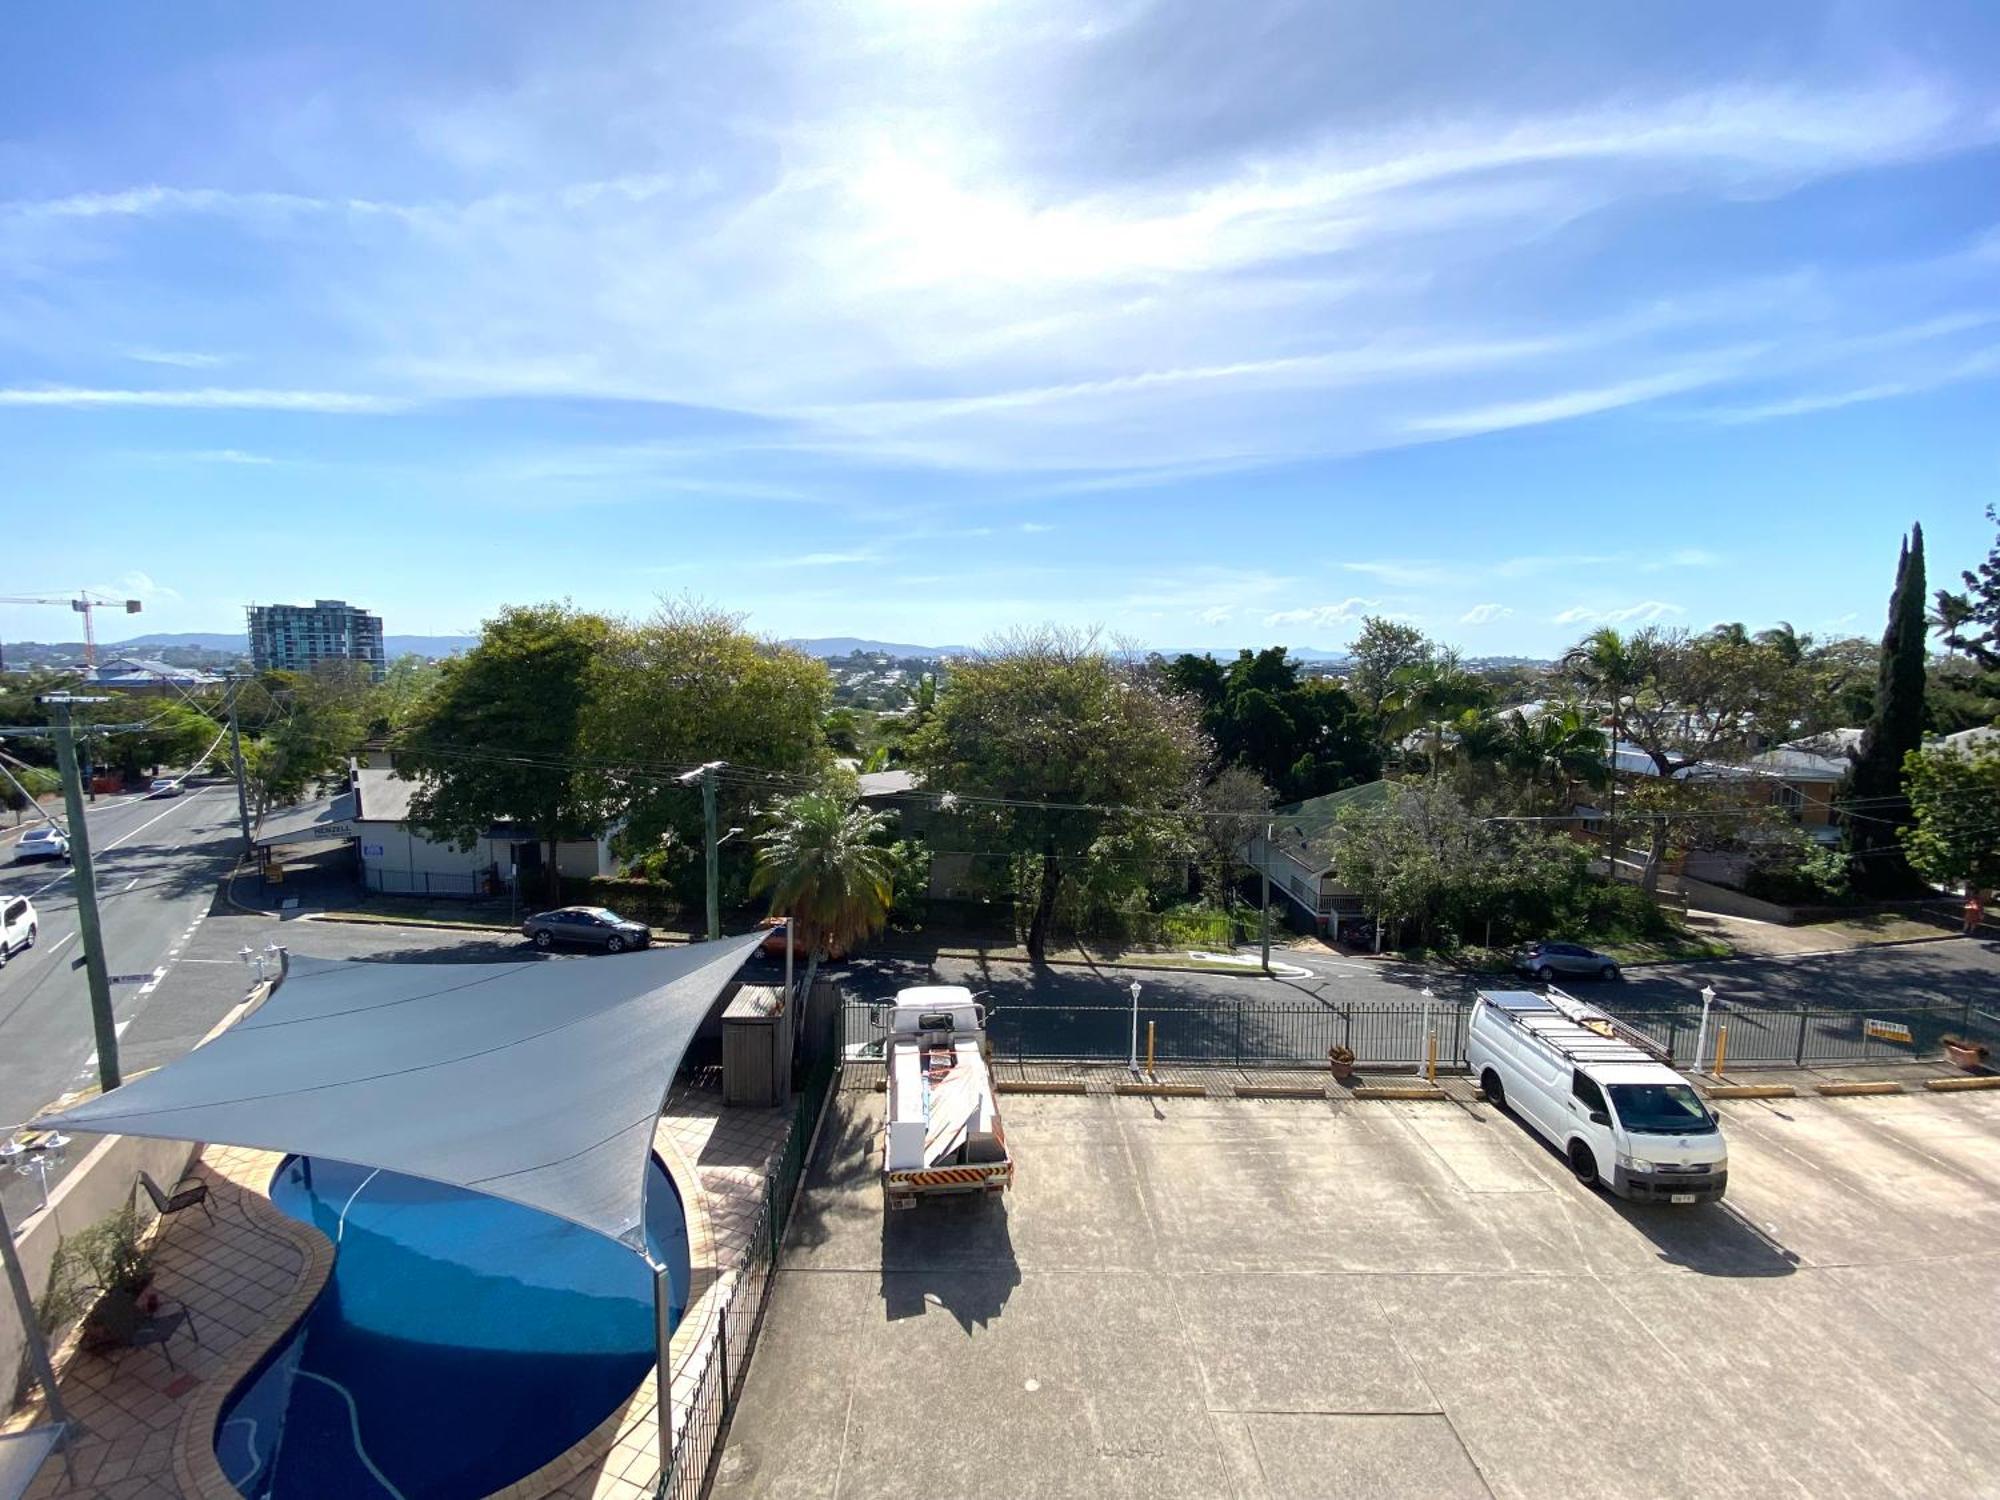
1277	1300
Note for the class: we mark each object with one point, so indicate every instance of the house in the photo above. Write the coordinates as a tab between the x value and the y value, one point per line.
1298	857
1982	739
399	857
147	675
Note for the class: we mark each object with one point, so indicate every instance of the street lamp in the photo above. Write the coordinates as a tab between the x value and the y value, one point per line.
1133	1064
1701	1036
34	1158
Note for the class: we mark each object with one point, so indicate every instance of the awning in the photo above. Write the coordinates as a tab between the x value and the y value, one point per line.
328	818
538	1082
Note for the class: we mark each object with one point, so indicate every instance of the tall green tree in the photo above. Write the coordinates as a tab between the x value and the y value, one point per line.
1981	631
1877	808
1953	838
1062	730
822	859
1300	736
309	724
1382	649
501	737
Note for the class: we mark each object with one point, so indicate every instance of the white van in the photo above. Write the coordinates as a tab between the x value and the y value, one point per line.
1600	1093
18	928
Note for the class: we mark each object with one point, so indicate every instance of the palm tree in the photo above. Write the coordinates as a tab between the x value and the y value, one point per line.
1790	645
1431	696
821	863
1950	614
1608	667
1731	634
1561	747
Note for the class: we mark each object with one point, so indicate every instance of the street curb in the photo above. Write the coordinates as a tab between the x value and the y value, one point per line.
1276	1091
1851	1090
229	895
974	955
358	919
1751	1091
1961	1085
1390	1091
1164	1090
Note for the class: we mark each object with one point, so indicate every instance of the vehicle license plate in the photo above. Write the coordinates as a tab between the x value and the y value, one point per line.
1681	1198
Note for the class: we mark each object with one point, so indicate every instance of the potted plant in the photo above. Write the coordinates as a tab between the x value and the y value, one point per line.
1341	1060
104	1274
1962	1053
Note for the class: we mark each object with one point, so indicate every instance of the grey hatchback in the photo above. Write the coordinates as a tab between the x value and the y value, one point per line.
586	926
1546	960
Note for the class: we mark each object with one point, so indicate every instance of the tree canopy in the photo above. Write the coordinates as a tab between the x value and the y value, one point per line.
823	862
1299	736
1049	720
1873	791
1954	834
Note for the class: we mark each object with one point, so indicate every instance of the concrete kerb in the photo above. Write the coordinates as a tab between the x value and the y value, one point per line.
1962	1085
1848	1090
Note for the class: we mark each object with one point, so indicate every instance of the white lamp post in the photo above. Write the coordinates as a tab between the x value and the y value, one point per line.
1134	1063
1701	1037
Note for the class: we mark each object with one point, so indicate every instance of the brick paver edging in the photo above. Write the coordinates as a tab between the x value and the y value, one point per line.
196	1468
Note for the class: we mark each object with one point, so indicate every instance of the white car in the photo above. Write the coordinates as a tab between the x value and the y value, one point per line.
165	786
17	925
1598	1092
43	842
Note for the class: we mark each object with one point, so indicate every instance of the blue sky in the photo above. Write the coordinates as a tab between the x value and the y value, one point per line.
1213	325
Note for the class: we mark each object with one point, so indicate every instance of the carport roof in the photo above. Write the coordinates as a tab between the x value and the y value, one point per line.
538	1082
328	817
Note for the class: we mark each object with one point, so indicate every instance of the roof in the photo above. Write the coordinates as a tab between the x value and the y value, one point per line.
1795	764
888	783
1980	737
385	795
538	1082
326	818
121	667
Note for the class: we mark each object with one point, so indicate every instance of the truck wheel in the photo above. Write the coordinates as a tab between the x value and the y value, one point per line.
1583	1163
1489	1085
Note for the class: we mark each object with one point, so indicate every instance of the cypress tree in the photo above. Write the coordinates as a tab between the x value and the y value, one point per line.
1873	790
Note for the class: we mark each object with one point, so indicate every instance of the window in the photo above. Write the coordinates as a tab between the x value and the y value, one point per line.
16	912
1587	1093
1661	1109
1790	798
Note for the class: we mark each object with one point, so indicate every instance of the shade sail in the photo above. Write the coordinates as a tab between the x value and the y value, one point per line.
538	1082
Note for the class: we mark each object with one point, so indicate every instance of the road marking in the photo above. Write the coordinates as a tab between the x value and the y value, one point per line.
179	802
131	884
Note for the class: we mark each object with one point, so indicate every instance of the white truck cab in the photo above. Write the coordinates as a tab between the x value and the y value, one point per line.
1600	1092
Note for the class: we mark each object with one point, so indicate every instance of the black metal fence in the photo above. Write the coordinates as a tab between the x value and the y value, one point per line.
457	883
1298	1033
737	1315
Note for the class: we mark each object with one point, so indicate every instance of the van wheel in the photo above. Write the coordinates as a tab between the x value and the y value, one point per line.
1489	1085
1583	1163
1608	973
1545	973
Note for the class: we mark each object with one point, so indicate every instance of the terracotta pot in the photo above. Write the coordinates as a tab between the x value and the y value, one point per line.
1341	1062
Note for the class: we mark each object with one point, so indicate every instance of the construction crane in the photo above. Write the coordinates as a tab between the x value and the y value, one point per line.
85	603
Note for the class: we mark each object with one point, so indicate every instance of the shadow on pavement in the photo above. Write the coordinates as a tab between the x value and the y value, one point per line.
954	1253
1711	1239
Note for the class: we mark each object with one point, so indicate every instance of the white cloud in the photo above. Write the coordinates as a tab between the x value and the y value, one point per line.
1648	611
1485	614
1404	573
178	358
220	456
822	560
336	402
1579	403
137	585
1035	528
1219	614
1323	615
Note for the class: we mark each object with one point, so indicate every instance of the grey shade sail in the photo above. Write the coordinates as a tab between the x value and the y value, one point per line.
538	1082
22	1455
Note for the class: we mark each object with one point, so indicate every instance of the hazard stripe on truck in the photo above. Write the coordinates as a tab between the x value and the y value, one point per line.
951	1176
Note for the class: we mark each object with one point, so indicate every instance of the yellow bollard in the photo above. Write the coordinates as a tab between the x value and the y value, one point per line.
1721	1049
1431	1057
1149	1048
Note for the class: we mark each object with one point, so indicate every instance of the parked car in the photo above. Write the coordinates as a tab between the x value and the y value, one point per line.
17	925
165	786
44	842
586	926
1546	960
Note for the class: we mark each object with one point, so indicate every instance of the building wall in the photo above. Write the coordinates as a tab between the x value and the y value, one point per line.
297	637
410	863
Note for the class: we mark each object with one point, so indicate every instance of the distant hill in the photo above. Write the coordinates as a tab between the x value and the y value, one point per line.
392	645
847	645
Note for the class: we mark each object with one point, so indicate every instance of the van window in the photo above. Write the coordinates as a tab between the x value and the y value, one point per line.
15	911
1587	1092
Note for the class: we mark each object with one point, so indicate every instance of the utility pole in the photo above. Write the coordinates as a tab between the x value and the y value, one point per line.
236	754
85	880
705	774
1264	901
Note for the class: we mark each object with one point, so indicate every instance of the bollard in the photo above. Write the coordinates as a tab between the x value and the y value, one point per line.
1721	1048
1150	1025
1431	1057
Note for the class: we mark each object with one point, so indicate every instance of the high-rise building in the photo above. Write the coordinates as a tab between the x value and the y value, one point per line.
298	637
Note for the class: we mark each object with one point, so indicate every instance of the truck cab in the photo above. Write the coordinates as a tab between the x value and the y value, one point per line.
1601	1093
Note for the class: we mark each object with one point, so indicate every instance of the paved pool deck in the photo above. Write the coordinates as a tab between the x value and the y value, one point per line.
247	1274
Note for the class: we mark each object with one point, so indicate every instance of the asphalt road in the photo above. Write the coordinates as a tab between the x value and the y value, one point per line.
158	862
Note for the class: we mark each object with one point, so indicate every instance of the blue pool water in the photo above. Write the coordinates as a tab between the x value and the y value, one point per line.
460	1343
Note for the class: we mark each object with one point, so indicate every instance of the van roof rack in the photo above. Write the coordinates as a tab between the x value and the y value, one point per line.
1574	1029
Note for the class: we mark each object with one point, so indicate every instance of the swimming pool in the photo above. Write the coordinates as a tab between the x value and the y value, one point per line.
461	1342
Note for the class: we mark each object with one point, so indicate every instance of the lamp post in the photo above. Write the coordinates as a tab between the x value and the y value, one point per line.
1701	1036
1133	1064
1430	1033
704	776
34	1158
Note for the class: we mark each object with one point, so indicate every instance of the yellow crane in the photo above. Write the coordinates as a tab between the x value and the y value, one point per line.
85	603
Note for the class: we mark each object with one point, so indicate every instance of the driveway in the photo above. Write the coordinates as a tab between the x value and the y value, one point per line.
1274	1301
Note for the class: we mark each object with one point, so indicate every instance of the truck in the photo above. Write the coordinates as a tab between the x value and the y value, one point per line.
943	1133
1599	1091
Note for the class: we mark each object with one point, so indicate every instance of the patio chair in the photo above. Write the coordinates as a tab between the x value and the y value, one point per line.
186	1194
157	1330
